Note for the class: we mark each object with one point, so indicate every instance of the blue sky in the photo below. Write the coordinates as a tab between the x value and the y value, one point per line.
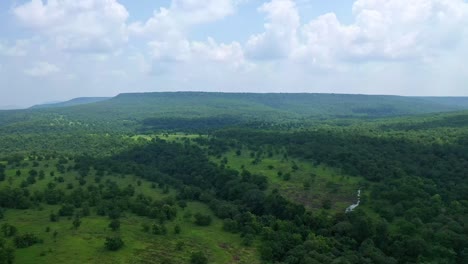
60	49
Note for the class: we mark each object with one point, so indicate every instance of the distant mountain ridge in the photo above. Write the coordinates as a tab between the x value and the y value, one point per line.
303	104
177	111
72	102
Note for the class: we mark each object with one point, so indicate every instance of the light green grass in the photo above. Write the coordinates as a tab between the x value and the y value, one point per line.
86	245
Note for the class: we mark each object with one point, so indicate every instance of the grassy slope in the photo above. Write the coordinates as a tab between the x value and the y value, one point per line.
87	244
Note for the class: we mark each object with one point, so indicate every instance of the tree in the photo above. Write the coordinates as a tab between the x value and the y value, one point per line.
8	230
2	172
176	229
198	258
26	240
7	253
159	229
113	243
114	224
326	204
76	221
66	210
202	220
53	217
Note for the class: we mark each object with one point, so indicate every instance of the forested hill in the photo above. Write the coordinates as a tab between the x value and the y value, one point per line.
291	104
203	111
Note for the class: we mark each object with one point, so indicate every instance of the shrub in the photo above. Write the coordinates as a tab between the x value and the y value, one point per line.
113	243
202	220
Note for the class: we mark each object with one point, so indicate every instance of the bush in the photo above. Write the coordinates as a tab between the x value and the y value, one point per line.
198	258
26	240
114	225
7	253
113	243
66	210
8	230
202	220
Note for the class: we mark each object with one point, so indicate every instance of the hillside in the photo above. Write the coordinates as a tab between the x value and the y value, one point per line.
72	102
196	104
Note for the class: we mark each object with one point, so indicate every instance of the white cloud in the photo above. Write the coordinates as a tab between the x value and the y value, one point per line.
388	30
382	30
280	37
167	31
192	12
42	69
175	20
84	26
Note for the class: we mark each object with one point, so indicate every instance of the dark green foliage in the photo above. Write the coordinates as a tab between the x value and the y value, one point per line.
158	229
248	240
26	240
53	217
177	229
8	230
14	198
202	220
326	204
66	210
76	221
198	258
2	172
114	224
113	243
7	253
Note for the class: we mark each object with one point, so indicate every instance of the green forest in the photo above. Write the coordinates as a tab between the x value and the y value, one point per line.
236	178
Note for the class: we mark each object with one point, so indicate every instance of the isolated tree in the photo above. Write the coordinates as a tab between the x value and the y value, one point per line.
202	220
76	221
54	235
113	243
114	224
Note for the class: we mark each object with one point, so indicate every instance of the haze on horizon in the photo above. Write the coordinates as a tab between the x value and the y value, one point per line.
56	50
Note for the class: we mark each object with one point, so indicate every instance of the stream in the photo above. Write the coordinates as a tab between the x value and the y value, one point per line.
353	206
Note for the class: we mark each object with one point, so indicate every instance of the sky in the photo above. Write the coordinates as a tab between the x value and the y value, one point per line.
55	50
